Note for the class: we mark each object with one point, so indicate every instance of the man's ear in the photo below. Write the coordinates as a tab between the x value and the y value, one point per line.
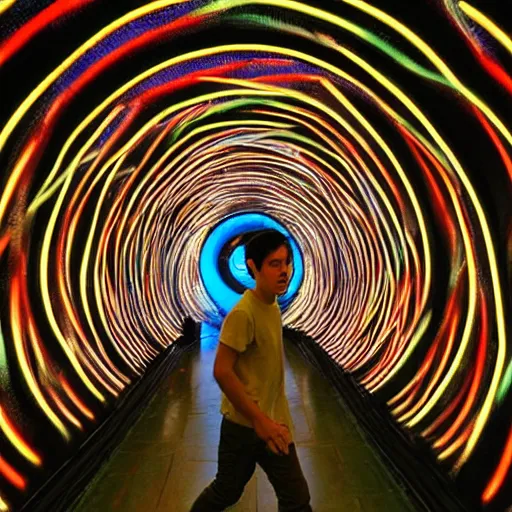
252	266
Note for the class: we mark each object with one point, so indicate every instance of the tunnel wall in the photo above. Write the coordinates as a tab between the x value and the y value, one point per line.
377	134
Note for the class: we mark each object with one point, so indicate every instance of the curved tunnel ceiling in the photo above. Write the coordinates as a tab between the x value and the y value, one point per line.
359	131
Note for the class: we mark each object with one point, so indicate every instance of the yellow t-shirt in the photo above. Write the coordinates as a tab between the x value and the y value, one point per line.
254	329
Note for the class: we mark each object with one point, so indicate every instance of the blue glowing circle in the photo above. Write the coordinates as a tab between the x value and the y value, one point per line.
222	295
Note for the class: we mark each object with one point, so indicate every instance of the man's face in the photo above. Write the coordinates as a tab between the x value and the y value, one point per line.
275	272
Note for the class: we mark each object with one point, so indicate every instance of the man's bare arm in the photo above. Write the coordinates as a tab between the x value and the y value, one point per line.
223	371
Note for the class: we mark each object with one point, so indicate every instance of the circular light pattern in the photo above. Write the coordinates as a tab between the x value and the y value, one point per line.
229	232
134	169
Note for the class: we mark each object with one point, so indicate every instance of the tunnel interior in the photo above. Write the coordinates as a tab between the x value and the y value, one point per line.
142	144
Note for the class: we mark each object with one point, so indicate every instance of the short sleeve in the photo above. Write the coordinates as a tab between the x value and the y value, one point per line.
237	330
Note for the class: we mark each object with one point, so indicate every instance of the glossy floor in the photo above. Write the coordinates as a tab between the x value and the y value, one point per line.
170	454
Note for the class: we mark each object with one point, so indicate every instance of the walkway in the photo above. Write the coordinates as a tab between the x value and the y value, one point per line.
170	454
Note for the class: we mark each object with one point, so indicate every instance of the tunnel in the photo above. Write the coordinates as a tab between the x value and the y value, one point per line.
143	143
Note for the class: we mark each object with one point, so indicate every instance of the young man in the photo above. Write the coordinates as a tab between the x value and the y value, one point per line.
249	368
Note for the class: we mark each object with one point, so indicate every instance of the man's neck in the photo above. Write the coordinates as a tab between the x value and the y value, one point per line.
267	298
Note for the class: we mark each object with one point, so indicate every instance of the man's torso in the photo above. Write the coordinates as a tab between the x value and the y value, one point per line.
260	367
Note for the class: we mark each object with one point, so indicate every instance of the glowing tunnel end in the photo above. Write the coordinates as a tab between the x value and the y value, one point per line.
227	231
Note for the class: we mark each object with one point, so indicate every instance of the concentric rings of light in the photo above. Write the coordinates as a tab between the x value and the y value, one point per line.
219	292
319	150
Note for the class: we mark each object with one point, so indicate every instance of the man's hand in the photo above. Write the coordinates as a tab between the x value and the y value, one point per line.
276	435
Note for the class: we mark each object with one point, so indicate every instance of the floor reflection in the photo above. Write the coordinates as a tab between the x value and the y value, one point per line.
170	454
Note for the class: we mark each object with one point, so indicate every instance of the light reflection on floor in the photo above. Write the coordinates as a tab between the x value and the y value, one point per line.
170	454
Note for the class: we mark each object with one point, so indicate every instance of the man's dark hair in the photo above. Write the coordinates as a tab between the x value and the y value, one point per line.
262	244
